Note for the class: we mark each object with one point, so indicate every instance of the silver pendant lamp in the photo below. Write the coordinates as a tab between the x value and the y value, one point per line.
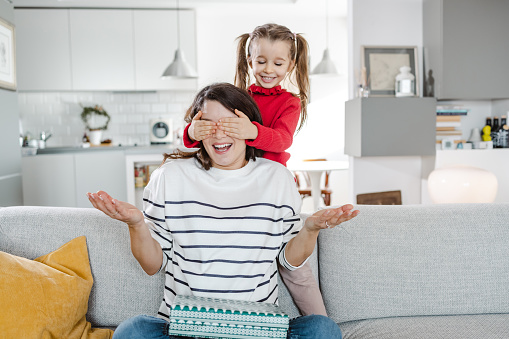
326	66
179	68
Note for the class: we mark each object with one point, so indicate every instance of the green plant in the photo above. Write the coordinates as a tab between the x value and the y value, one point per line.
88	113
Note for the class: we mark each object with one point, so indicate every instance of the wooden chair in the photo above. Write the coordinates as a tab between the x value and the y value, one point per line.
304	186
380	198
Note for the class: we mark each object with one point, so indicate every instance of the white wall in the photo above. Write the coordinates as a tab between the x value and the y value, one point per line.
384	23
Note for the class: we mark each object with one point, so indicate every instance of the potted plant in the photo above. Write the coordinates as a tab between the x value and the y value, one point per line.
96	120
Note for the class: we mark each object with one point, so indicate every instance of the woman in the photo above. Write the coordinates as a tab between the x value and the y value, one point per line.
216	221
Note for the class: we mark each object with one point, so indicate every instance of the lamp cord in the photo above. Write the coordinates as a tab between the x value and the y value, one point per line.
178	25
326	24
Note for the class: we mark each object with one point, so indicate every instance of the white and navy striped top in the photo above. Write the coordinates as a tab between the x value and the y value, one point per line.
221	231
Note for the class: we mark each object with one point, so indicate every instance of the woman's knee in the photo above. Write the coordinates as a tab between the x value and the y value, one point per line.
314	326
327	324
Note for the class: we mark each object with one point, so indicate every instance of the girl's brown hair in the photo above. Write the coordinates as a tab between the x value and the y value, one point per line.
298	53
231	98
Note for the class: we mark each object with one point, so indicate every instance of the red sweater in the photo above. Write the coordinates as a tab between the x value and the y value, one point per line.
280	115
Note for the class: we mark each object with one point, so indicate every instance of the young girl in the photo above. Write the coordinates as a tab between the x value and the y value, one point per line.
274	53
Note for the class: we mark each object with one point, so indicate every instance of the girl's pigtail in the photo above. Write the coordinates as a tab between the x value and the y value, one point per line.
242	69
302	76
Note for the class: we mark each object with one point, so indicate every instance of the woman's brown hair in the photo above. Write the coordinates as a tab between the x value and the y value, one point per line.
231	98
298	53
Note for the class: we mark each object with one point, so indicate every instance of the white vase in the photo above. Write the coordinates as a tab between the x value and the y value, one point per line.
95	136
462	184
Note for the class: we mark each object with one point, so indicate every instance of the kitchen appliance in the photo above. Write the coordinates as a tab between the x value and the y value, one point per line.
161	131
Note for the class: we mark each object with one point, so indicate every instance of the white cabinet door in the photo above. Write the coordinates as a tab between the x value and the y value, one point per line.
43	49
102	49
64	179
100	171
155	38
49	180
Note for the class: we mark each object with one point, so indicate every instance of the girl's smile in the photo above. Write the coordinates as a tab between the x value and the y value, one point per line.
270	61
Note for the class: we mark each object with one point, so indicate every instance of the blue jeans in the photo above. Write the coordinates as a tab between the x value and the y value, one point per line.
144	326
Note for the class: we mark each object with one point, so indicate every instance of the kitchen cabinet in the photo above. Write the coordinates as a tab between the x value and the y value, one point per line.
390	127
43	54
101	49
64	179
100	171
155	37
466	48
49	180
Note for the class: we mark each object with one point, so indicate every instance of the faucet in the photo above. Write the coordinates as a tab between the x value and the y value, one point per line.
44	136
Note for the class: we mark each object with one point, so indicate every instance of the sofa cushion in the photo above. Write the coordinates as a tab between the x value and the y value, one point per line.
49	295
121	289
393	261
492	326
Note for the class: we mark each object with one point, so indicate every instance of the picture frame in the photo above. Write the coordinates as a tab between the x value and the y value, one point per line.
382	64
7	56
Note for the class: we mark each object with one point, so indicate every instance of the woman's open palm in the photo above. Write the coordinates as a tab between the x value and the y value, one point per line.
116	209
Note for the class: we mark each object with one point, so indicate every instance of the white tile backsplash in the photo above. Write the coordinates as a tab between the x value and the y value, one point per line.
143	108
159	108
150	97
59	113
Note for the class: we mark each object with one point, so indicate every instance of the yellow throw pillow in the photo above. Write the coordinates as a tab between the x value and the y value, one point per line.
47	297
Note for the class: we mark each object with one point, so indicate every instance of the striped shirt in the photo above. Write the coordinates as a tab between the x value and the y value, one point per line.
222	231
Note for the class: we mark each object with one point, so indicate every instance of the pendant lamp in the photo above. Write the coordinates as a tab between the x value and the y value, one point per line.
179	68
326	66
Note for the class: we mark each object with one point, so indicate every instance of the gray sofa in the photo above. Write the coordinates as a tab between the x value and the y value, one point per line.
421	271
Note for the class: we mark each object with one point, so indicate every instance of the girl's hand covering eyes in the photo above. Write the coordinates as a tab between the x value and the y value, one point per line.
201	129
239	128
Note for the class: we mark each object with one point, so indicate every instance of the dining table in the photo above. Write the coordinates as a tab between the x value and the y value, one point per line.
316	169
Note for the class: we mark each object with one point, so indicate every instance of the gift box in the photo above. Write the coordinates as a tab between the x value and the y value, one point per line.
223	318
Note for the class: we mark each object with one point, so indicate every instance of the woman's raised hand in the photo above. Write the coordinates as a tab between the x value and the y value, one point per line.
115	209
201	129
330	217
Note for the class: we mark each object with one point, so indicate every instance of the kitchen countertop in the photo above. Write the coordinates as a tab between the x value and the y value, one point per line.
147	149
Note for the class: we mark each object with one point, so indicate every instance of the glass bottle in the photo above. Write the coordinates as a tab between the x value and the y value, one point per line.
486	130
503	133
494	132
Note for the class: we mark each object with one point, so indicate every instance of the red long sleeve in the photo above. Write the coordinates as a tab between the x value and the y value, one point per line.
187	140
280	115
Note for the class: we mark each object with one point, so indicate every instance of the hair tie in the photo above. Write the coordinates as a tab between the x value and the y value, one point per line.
294	36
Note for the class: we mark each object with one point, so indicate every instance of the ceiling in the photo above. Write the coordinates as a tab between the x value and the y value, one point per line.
334	8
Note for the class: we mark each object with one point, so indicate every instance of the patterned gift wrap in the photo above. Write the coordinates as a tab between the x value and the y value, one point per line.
222	318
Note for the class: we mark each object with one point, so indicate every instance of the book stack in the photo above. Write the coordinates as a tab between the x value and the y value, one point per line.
223	318
449	123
